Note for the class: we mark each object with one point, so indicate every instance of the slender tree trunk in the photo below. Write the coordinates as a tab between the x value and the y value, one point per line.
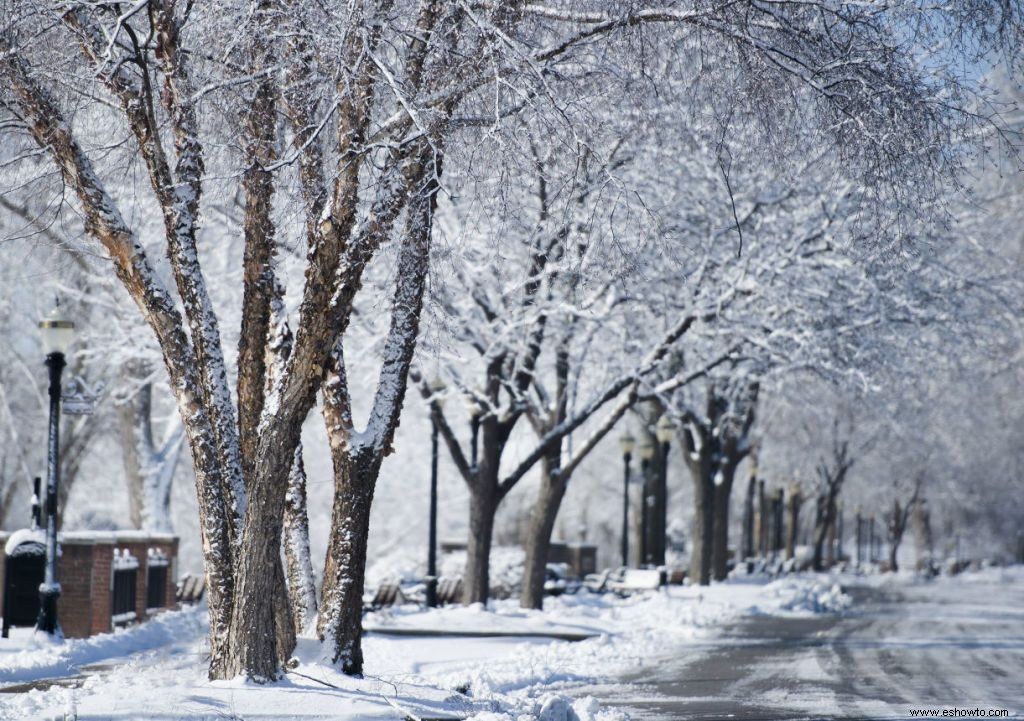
762	520
795	500
830	542
133	448
748	518
301	585
148	470
542	522
340	620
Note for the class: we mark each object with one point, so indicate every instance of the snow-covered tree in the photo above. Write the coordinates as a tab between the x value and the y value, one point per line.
361	106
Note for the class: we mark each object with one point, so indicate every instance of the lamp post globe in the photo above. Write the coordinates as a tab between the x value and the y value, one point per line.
437	389
627	443
646	449
665	429
56	333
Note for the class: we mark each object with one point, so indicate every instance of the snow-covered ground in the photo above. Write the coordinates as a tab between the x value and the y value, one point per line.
157	670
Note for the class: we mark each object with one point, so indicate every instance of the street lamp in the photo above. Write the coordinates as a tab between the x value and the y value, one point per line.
437	388
647	451
664	431
57	333
627	443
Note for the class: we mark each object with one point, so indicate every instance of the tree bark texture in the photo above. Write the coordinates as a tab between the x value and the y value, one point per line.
542	523
340	621
720	512
702	543
299	561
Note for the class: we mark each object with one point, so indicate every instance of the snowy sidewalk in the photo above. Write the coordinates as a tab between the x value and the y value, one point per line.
158	670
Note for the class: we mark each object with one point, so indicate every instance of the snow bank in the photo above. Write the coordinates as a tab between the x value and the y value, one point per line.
631	633
803	598
21	660
160	666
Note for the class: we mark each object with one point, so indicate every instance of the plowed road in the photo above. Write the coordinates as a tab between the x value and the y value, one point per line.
950	644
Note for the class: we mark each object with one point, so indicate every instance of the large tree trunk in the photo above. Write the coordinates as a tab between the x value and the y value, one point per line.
301	585
720	523
357	459
542	522
896	528
484	498
703	522
483	504
748	518
795	500
340	620
823	520
922	535
262	633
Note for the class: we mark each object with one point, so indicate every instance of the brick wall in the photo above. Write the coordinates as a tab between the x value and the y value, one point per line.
140	549
85	573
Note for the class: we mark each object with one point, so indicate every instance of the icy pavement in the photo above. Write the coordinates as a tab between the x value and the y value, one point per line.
948	644
157	670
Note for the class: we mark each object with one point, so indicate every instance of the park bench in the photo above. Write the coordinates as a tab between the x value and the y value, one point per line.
388	593
190	589
449	590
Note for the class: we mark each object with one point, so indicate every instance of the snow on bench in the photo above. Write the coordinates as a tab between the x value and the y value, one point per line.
638	579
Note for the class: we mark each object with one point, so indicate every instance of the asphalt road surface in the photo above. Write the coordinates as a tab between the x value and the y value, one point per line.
942	645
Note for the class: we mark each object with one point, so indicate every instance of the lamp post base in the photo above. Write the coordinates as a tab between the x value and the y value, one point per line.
47	622
431	592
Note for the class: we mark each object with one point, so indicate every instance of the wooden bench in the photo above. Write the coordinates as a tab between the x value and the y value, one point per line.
388	594
449	590
190	589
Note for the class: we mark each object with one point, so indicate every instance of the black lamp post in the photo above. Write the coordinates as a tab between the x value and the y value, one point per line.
664	430
647	451
627	443
437	387
57	332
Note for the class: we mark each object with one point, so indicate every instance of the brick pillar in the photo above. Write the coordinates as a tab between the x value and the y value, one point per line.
171	549
102	581
139	550
74	572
